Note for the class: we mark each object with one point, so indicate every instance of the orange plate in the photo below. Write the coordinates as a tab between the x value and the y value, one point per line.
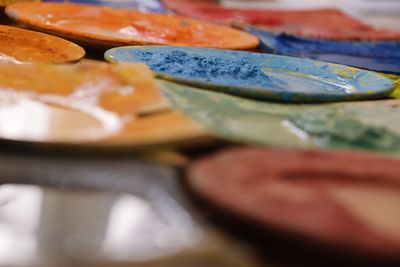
89	103
108	27
18	45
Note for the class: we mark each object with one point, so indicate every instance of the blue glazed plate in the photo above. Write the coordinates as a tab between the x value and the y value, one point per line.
255	75
141	5
378	56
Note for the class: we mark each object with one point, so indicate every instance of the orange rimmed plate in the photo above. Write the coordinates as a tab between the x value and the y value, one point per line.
107	27
88	104
24	46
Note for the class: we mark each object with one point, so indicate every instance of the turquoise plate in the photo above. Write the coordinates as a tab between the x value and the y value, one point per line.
254	75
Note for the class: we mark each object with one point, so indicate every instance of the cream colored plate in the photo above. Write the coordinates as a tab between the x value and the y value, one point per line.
94	104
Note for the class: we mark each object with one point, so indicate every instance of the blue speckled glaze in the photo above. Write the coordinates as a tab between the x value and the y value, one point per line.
380	56
209	69
142	5
256	75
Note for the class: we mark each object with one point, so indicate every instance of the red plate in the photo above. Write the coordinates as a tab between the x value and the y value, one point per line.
343	199
318	23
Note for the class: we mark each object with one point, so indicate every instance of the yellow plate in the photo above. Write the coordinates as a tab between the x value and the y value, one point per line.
396	80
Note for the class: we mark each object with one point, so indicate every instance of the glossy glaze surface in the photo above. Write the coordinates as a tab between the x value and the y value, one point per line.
330	197
3	3
23	46
322	23
367	125
379	56
255	75
396	80
89	102
141	5
115	27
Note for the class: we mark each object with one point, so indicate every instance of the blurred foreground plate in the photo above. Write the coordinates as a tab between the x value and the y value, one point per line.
344	200
88	104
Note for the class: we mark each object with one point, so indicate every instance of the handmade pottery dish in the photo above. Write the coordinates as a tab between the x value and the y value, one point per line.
379	56
97	104
255	75
4	3
346	200
141	5
396	80
23	46
108	27
365	125
319	23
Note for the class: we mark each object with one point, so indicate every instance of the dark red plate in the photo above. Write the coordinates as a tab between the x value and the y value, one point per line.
343	199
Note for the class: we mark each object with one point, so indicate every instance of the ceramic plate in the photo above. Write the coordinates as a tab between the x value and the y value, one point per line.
365	125
345	200
257	75
108	27
380	56
141	5
396	80
3	3
318	23
95	104
19	46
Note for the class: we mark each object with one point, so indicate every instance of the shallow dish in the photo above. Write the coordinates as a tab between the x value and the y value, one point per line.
396	80
318	23
345	200
255	75
91	104
23	46
3	3
379	56
109	27
364	125
141	5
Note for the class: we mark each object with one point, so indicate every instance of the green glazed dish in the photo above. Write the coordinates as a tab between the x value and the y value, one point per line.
368	125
